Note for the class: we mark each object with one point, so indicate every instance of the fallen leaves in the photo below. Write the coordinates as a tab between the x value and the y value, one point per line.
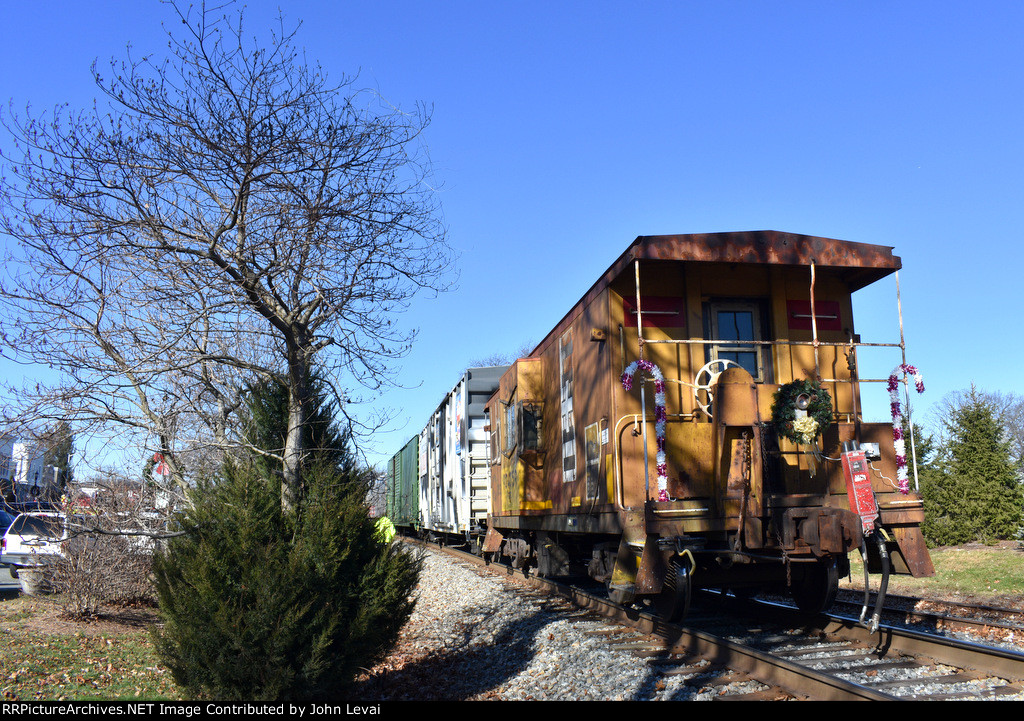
47	658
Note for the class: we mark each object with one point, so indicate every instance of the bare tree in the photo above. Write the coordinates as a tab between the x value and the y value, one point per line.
1010	411
228	214
503	359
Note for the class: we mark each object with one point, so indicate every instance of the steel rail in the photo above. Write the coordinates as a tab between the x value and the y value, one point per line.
982	658
946	621
950	651
798	681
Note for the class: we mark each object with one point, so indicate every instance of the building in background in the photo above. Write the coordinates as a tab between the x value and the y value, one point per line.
24	474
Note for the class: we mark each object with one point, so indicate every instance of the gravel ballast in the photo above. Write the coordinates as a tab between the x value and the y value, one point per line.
476	636
471	637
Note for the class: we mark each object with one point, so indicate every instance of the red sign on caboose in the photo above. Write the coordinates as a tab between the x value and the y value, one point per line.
858	489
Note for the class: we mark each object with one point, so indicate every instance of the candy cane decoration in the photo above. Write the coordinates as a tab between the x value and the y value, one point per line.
660	416
898	441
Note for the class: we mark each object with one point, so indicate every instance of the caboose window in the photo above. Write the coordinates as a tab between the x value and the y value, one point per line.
493	449
509	435
565	372
737	321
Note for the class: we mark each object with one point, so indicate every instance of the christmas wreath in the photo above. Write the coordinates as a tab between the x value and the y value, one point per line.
800	427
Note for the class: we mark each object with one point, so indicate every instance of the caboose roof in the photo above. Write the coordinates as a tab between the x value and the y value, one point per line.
857	264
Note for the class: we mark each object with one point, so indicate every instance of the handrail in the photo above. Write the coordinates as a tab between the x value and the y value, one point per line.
634	418
780	341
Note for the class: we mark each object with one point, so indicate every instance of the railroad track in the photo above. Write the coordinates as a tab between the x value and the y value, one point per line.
992	623
897	662
765	651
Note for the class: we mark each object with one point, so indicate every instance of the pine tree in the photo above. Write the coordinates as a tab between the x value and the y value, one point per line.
974	492
266	427
921	453
263	603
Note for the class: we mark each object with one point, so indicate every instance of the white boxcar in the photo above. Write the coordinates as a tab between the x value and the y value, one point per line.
454	457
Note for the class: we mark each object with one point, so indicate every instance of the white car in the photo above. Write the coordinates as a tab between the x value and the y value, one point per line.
32	542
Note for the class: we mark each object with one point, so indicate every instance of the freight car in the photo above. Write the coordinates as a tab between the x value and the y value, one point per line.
438	484
695	421
403	486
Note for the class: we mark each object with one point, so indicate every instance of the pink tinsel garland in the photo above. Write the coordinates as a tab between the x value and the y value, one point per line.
660	416
899	444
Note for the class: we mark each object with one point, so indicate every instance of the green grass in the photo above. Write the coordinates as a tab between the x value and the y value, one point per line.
995	574
46	658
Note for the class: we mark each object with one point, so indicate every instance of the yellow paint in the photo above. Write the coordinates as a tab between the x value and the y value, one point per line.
535	505
513	488
511	485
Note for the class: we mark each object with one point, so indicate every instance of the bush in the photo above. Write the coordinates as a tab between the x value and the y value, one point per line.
108	556
93	572
263	605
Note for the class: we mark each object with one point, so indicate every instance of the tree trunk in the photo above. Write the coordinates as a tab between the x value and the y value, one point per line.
294	450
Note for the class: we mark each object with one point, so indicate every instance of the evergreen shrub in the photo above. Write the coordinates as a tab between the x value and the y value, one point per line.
974	492
261	605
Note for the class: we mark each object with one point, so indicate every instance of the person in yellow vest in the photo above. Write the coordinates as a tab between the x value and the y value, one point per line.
384	530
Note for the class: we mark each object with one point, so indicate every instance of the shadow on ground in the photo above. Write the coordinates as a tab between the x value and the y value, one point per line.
459	671
463	670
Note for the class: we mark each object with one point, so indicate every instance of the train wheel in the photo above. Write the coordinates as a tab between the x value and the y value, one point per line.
673	603
814	585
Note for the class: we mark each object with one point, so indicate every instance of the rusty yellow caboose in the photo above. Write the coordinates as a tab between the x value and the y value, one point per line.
688	423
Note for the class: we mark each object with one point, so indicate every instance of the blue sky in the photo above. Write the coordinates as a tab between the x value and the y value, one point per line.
563	130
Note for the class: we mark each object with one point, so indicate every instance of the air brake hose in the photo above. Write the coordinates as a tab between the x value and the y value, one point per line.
867	581
883	552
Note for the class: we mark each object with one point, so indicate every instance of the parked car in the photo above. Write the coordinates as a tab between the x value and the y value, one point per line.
6	519
30	544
